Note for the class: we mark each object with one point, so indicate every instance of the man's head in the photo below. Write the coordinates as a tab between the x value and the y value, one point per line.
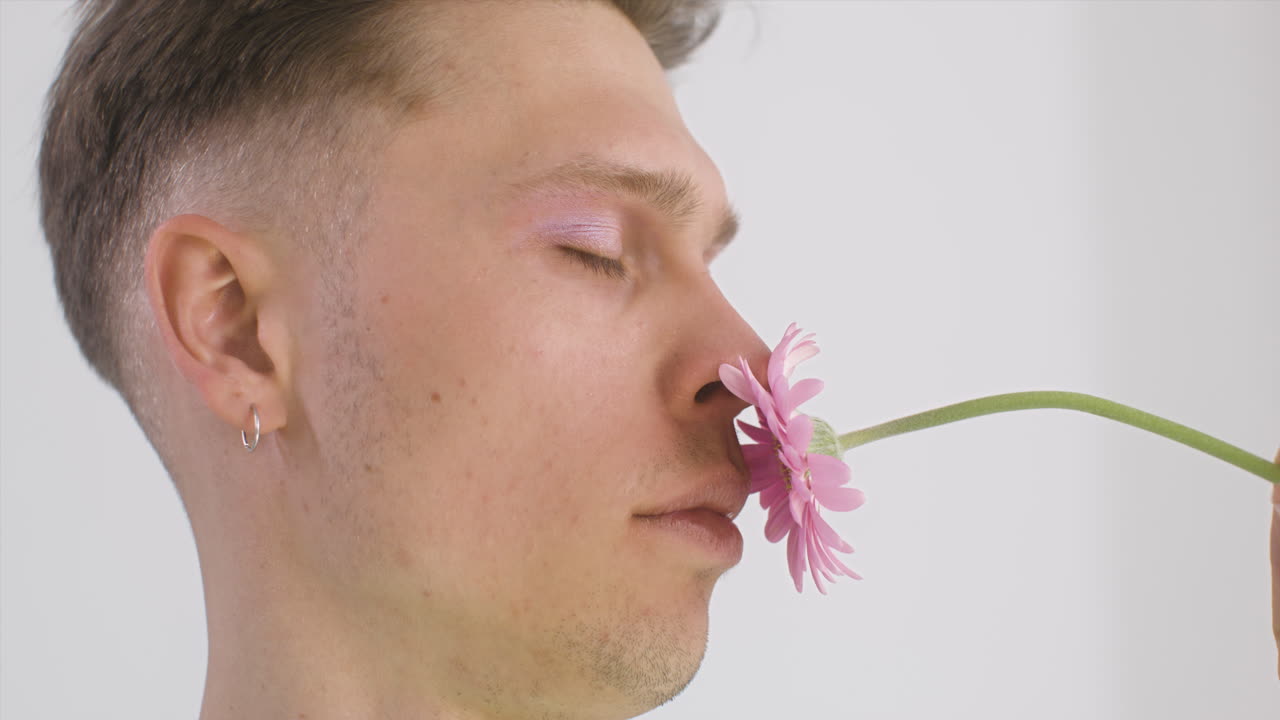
376	222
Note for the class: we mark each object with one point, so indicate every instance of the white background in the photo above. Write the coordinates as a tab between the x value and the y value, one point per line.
961	200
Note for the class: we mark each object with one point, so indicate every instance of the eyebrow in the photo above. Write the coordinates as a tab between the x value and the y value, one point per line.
672	193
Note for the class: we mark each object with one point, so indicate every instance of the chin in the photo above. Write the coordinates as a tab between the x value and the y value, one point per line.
658	680
643	654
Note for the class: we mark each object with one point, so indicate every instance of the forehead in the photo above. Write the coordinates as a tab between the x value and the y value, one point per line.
536	86
497	46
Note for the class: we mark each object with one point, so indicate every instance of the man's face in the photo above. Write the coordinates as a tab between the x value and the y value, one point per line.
507	410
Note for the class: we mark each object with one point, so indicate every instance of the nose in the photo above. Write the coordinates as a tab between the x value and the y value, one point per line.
714	391
712	333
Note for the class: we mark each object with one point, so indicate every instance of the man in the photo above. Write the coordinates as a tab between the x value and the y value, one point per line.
444	265
440	269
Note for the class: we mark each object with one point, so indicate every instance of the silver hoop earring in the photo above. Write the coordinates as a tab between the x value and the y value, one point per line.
256	428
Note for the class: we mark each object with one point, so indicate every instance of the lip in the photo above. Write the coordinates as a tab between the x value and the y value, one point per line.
706	529
724	493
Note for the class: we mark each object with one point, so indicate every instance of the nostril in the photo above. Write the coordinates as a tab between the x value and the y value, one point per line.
706	391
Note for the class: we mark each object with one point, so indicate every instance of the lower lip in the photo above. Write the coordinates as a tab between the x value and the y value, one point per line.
707	529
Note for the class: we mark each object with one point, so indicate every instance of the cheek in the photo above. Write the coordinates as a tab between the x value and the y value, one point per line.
513	424
487	454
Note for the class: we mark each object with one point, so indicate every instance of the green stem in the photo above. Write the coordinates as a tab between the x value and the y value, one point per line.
1067	401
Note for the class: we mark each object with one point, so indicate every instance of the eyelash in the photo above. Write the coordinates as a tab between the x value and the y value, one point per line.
604	266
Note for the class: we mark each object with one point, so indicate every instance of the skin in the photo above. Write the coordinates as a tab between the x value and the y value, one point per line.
438	520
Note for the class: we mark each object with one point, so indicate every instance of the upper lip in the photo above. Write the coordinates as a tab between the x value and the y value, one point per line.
724	492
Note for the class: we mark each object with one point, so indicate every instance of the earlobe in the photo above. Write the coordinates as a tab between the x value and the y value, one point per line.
207	286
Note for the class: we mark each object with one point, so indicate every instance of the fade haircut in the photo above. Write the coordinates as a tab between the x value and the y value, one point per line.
257	112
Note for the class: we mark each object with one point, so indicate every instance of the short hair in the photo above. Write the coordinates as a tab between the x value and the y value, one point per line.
253	108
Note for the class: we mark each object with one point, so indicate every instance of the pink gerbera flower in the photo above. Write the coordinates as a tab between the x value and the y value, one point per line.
794	483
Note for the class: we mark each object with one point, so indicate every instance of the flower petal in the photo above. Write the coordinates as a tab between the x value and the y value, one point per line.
798	503
795	556
830	539
834	563
773	494
797	395
778	524
758	434
840	499
732	379
794	459
815	563
828	535
797	355
762	464
758	451
827	471
761	483
800	433
784	344
757	389
841	567
819	555
770	419
778	358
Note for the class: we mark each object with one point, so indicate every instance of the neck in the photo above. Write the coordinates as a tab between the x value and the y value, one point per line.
284	644
278	648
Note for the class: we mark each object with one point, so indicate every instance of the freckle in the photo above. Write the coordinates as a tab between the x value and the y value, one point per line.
435	397
473	401
462	382
305	506
368	467
385	298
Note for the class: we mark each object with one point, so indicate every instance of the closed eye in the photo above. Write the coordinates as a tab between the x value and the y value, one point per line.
602	265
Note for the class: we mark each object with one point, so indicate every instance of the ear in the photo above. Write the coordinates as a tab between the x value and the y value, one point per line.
213	293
